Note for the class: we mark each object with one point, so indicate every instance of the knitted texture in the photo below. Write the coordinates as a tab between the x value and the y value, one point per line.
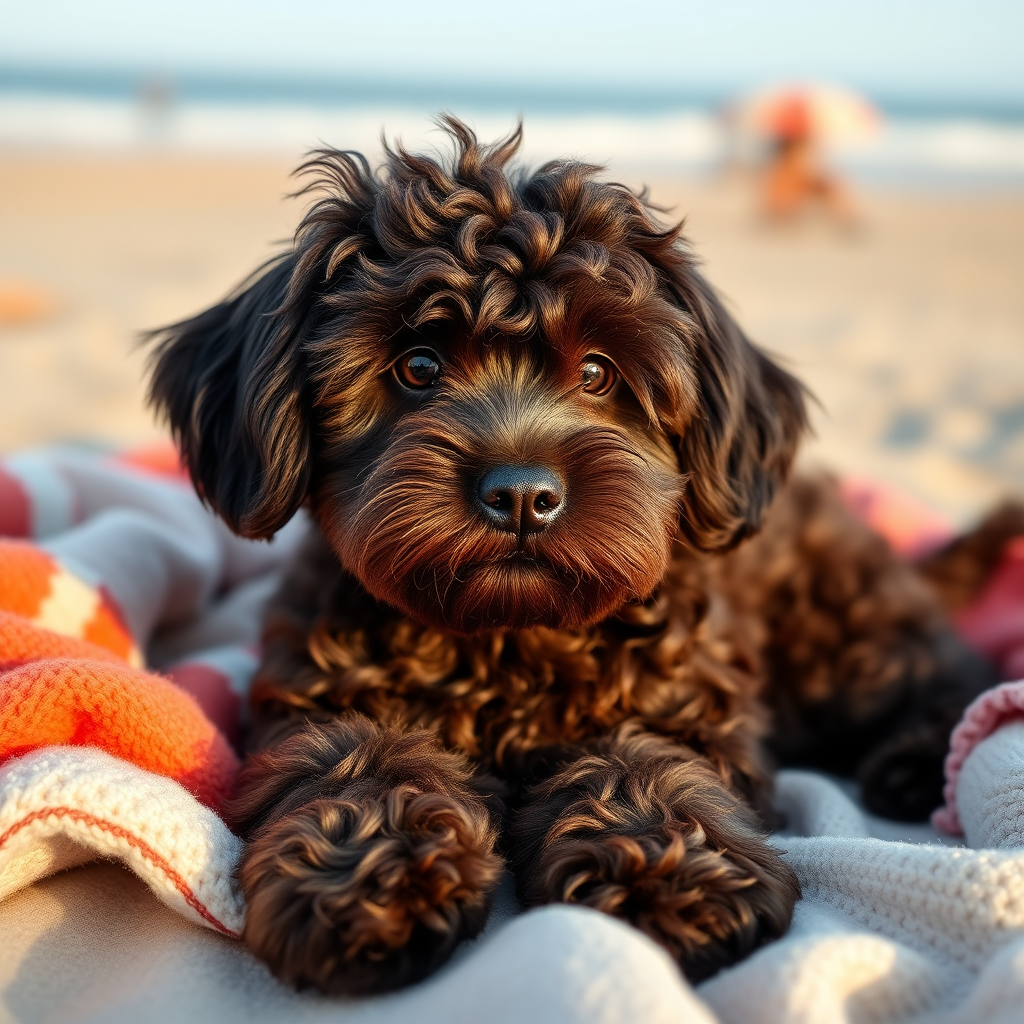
134	715
61	806
98	757
35	586
886	931
78	689
990	789
992	710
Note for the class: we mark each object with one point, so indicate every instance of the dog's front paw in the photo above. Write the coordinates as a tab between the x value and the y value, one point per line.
708	907
370	855
362	896
640	832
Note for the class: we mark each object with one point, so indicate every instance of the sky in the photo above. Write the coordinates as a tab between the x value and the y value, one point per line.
903	49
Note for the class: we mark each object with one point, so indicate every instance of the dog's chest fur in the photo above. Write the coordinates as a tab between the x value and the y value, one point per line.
677	664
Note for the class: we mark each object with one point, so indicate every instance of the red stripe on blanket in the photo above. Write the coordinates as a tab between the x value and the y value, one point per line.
133	840
15	508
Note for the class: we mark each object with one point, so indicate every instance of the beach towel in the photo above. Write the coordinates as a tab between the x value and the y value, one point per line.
129	621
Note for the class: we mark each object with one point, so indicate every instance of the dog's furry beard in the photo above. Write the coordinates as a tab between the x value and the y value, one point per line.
408	530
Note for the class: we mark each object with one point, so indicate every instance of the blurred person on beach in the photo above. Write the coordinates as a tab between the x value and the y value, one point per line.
792	126
796	176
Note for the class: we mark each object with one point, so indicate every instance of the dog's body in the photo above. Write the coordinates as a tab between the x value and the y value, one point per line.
534	444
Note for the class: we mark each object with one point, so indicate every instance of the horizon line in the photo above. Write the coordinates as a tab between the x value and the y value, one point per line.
319	89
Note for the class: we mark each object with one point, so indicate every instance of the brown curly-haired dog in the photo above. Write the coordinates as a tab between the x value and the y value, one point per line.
527	630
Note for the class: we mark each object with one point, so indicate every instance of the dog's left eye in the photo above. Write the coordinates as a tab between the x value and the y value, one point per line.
597	375
418	369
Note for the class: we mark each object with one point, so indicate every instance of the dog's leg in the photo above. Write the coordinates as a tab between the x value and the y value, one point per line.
370	855
865	675
644	829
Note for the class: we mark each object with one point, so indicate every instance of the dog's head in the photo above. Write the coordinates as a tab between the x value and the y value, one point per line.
501	393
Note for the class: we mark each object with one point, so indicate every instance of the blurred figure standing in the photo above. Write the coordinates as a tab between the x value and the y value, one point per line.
795	175
794	125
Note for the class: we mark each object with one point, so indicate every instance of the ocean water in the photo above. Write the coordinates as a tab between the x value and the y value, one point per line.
687	138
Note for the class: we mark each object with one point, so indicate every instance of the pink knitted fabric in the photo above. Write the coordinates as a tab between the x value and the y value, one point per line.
994	624
994	708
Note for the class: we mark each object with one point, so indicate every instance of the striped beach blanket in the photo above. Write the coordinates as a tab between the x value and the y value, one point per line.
99	756
129	630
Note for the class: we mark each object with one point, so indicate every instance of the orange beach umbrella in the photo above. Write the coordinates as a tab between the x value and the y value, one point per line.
827	113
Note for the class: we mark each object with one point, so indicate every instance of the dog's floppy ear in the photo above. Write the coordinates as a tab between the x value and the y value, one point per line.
737	447
230	382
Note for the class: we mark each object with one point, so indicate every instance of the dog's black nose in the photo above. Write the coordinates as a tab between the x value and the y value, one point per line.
521	499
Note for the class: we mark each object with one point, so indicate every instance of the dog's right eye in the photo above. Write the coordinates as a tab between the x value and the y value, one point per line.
418	369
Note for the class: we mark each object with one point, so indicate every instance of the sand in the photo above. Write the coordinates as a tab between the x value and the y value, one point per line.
910	333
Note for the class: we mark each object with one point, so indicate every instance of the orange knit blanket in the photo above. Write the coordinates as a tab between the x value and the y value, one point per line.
69	675
101	559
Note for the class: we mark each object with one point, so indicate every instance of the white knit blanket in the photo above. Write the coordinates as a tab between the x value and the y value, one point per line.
917	930
886	931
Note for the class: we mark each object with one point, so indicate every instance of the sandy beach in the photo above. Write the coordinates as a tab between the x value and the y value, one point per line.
910	333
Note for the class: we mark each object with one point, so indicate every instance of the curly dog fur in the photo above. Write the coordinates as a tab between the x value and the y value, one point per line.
539	622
